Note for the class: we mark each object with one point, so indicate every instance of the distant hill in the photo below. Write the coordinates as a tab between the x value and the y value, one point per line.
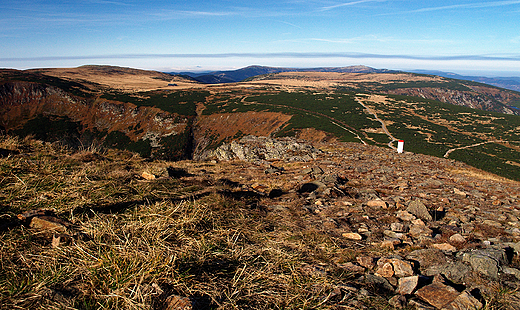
233	76
512	83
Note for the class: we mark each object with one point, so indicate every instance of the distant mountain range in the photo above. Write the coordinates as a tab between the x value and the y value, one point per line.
233	76
512	83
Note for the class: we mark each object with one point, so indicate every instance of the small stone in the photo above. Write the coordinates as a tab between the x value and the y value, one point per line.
385	268
456	272
456	191
463	302
401	268
376	281
352	236
350	267
444	247
47	223
405	216
418	222
377	203
512	271
366	261
419	305
428	259
417	231
418	209
407	285
457	238
393	234
148	176
437	294
492	223
388	244
398	301
175	302
397	227
55	241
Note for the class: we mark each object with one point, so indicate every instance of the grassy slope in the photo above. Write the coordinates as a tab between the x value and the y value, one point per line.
136	242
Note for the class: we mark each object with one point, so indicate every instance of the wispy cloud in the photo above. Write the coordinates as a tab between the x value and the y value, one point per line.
121	3
476	5
513	57
290	24
328	8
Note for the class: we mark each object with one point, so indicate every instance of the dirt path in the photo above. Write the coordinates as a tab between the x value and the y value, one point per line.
447	154
383	125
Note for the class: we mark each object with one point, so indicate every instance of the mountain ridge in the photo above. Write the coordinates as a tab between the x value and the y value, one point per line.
164	116
238	75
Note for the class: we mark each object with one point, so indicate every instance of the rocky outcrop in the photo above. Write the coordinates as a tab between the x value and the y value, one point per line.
261	149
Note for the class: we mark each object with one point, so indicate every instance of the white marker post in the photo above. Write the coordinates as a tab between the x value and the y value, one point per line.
400	146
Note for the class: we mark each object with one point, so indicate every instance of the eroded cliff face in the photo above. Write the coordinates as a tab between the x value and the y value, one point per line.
487	98
22	101
210	130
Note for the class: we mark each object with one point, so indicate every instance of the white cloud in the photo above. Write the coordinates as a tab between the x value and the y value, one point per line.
327	8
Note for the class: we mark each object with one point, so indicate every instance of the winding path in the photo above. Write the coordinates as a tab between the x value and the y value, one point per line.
383	125
468	146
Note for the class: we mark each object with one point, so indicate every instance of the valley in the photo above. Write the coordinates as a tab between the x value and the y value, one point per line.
176	117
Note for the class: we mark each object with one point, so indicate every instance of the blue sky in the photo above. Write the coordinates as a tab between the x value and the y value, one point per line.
459	36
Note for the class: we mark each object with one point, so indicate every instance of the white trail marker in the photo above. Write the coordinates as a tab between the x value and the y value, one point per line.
400	146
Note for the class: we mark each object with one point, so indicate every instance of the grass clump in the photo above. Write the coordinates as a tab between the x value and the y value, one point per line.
129	243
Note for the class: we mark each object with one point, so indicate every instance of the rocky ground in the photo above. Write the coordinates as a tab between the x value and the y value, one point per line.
447	233
415	231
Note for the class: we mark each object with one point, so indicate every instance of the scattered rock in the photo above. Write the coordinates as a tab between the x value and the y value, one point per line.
175	302
444	247
512	271
366	261
402	268
397	227
385	268
352	236
428	260
456	191
377	203
463	302
457	238
417	208
405	216
147	176
407	285
486	261
47	223
456	272
437	294
398	301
